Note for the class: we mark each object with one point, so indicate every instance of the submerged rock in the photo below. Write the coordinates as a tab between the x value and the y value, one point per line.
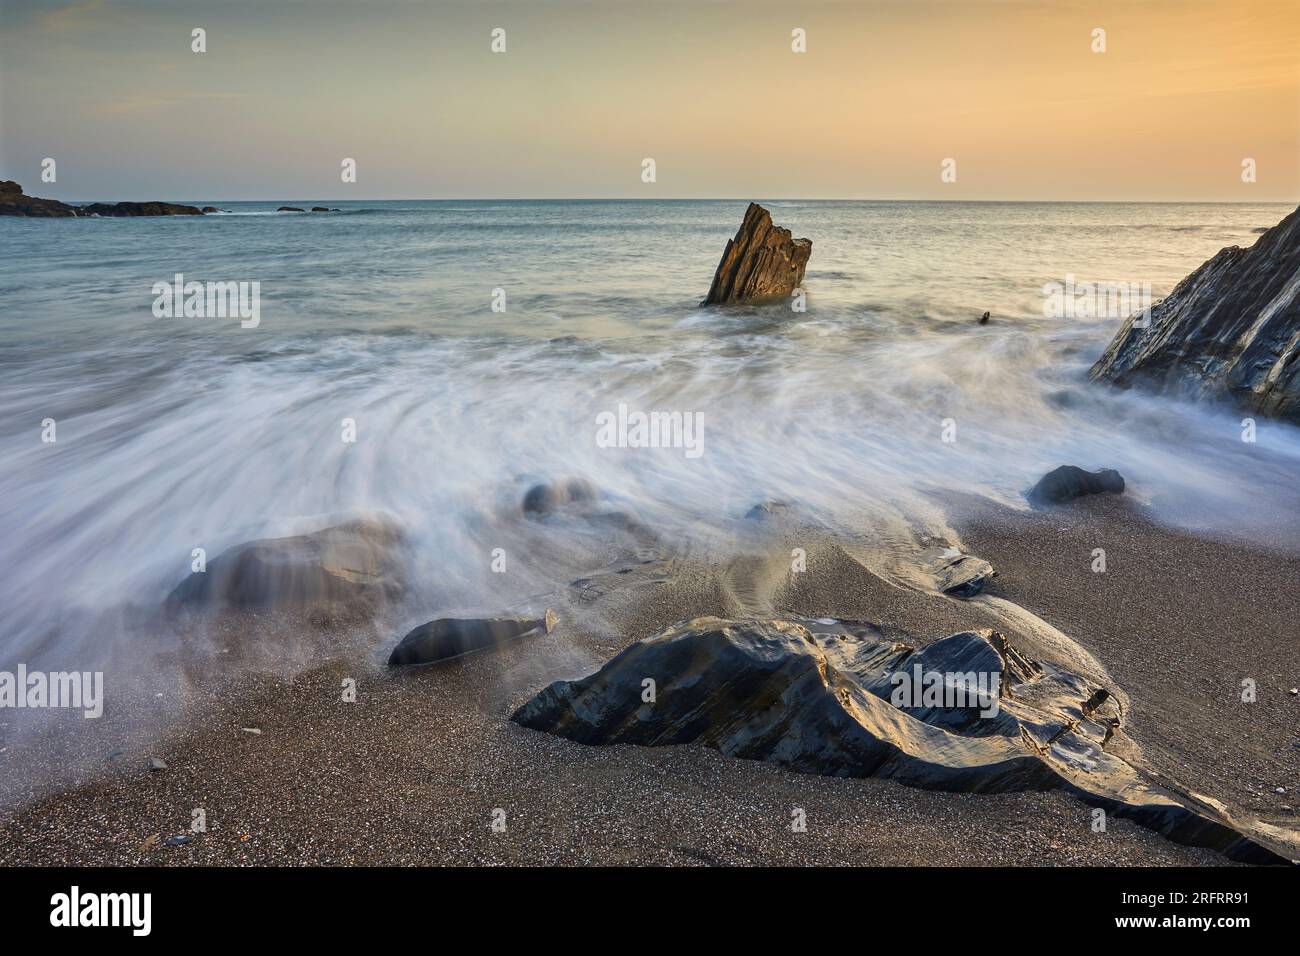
290	209
356	563
967	713
767	509
447	637
1230	330
547	497
763	262
1070	481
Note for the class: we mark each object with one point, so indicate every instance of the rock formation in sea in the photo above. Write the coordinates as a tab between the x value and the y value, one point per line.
138	209
1070	481
446	638
357	563
14	203
1230	330
291	209
762	263
968	713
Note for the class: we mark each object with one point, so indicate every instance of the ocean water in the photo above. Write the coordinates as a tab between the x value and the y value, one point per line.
177	433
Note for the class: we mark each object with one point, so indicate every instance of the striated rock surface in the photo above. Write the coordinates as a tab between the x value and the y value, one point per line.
1070	481
357	563
955	573
763	262
1230	330
832	698
448	637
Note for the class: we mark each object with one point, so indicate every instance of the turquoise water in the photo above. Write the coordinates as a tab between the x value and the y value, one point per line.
175	433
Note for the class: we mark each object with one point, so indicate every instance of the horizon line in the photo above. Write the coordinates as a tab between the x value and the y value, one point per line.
595	199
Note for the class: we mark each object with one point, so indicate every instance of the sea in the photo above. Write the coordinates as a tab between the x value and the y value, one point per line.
433	360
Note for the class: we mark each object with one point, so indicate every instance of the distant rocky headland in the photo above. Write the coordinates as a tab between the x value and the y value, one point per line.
14	202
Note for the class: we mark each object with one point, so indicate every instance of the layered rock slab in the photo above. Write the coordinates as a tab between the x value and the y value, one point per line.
764	262
1229	331
824	697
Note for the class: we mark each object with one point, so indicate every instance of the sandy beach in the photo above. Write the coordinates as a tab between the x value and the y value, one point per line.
412	772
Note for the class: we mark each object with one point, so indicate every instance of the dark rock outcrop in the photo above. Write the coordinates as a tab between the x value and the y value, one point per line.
320	208
14	203
290	209
138	209
357	563
839	700
447	637
208	209
763	262
1230	330
1070	481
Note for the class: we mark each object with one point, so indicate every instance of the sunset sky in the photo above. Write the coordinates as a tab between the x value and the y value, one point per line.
711	91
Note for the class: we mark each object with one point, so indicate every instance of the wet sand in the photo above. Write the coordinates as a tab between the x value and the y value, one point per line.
413	771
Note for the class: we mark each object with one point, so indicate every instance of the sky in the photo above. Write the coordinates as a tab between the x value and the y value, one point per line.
1012	91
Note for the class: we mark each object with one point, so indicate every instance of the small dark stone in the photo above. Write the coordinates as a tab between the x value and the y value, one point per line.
1069	482
984	319
446	637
